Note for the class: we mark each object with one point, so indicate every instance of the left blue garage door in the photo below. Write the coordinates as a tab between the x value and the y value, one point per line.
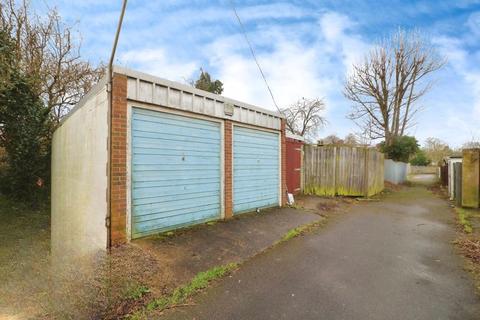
176	170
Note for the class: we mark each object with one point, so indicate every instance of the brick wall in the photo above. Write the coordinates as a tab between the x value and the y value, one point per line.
284	163
118	161
228	169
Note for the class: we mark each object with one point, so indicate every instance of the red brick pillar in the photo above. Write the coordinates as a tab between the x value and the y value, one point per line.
284	163
118	161
228	169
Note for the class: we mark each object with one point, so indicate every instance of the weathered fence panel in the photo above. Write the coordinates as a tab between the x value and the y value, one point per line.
342	170
375	170
319	170
350	171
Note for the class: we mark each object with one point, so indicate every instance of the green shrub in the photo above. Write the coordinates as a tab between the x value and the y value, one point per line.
420	159
24	128
401	149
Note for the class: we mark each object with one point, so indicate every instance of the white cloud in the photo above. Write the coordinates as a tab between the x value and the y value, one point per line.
156	61
473	23
294	67
334	26
465	65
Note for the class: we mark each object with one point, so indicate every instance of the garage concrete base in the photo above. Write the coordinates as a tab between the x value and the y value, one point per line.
189	251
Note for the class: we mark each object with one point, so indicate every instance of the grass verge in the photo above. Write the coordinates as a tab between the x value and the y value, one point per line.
181	294
463	219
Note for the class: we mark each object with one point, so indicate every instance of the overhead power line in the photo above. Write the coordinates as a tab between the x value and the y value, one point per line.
252	51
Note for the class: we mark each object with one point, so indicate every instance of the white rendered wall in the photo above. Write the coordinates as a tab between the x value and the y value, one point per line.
79	178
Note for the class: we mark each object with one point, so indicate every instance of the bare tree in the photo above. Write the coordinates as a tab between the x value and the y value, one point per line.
304	117
386	87
351	139
474	143
331	139
436	149
49	52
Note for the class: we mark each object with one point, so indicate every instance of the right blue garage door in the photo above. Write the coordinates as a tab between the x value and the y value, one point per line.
255	169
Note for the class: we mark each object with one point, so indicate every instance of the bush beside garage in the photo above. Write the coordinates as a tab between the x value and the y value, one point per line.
178	156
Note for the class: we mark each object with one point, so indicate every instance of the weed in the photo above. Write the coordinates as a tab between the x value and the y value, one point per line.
136	292
463	219
295	232
182	293
296	206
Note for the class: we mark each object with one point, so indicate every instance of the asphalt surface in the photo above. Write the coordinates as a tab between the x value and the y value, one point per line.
391	259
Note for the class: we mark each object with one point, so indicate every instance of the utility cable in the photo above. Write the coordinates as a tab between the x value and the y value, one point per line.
252	51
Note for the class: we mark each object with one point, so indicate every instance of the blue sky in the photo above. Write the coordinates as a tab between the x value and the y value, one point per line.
305	47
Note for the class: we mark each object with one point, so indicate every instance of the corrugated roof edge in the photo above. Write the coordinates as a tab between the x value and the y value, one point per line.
101	84
154	79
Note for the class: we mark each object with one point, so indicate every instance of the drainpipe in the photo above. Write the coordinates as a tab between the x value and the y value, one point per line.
110	98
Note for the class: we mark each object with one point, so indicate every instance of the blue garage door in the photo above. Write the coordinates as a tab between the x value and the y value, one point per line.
255	169
175	171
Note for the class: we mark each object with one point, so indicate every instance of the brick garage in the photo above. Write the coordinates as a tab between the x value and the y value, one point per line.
179	156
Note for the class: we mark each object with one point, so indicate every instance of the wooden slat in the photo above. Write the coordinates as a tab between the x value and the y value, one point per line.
342	170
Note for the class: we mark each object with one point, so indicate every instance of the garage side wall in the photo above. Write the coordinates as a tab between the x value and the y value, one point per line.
79	178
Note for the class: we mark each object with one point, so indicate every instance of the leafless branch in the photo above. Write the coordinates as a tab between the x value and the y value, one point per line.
304	117
386	86
49	52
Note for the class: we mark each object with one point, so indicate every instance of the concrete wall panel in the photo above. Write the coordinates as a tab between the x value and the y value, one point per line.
143	88
471	178
79	179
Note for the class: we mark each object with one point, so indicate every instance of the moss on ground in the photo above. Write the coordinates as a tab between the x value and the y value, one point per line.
463	216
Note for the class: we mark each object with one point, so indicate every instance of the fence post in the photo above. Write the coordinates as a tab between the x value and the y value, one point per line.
335	169
365	182
457	172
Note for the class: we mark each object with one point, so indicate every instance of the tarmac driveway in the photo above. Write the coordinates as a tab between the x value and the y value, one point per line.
391	259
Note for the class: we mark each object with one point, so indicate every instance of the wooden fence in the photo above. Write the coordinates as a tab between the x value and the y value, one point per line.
342	170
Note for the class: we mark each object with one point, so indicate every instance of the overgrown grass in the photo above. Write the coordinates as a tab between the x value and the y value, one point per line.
181	294
463	219
24	257
295	232
136	292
